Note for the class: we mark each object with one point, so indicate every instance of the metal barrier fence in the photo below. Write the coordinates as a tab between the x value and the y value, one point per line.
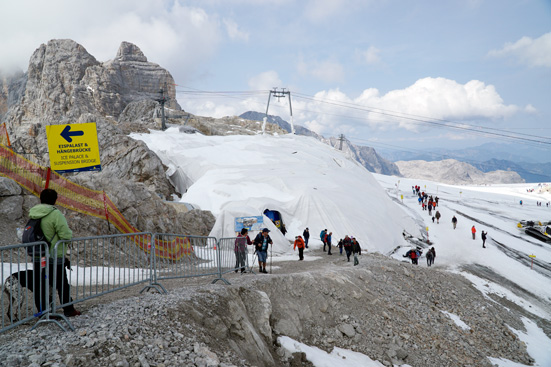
234	255
19	279
99	265
203	260
95	266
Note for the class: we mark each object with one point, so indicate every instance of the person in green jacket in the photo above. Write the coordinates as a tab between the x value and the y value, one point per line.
55	228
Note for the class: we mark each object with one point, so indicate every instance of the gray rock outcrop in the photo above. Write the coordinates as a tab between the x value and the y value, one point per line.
366	156
64	84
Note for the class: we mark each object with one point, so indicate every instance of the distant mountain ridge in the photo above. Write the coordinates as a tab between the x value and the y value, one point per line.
366	156
533	164
453	172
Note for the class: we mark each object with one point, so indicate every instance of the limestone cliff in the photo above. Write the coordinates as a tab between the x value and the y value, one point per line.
64	84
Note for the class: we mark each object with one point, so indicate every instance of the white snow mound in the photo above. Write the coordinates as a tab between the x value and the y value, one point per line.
311	184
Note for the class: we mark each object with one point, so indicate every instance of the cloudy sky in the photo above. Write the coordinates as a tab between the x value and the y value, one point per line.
385	73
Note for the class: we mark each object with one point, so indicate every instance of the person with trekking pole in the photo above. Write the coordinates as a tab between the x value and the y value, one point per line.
261	242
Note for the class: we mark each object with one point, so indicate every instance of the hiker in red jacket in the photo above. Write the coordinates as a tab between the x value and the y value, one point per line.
299	242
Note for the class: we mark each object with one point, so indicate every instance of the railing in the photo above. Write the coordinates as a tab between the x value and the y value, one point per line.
203	261
233	255
19	294
96	266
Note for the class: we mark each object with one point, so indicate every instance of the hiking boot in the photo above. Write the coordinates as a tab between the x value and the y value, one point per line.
264	271
73	313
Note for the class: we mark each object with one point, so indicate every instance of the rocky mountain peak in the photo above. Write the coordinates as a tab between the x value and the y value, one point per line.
130	52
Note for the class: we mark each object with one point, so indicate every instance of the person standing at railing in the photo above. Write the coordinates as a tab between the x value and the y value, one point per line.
55	227
241	243
262	241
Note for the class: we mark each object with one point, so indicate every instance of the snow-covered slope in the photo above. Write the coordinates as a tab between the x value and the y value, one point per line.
316	186
454	172
308	182
504	267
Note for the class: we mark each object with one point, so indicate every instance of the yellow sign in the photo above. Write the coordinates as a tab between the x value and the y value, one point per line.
73	147
532	256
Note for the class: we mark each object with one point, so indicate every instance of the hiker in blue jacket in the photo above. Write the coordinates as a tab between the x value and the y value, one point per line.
322	238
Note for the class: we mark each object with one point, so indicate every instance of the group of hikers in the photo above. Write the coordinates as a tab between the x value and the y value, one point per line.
415	254
429	203
349	245
261	243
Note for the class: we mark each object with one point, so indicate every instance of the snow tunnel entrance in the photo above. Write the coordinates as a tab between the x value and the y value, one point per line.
276	218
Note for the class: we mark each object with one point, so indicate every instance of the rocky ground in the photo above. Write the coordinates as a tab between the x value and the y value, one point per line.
390	310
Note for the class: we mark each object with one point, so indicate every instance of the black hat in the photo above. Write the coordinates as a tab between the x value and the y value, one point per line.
265	230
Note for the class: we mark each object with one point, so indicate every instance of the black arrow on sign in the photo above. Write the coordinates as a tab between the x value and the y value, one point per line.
67	133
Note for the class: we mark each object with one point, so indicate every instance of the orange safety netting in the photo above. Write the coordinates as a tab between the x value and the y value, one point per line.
35	178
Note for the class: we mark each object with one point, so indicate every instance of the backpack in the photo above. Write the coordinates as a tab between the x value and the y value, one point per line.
33	233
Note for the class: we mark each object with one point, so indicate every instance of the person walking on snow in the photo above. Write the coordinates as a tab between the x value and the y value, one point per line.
306	235
483	235
473	230
437	216
299	242
454	222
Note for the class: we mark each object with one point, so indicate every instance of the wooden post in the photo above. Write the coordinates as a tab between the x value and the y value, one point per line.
48	173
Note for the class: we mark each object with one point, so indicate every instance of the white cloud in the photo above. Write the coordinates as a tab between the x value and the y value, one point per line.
333	112
318	11
426	99
177	37
530	109
266	80
232	28
528	51
369	56
209	108
329	71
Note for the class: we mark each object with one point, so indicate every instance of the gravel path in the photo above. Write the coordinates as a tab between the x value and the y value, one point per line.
392	311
